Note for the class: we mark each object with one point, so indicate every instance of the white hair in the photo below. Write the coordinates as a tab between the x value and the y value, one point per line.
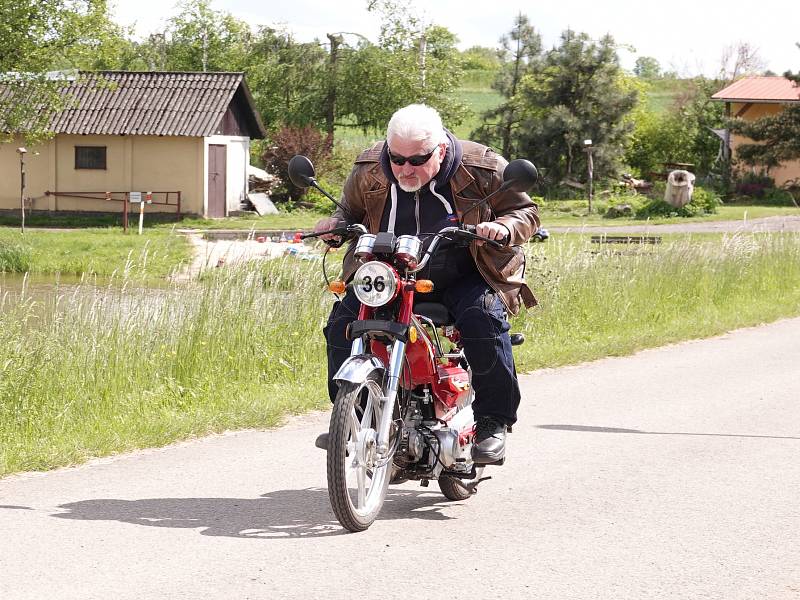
419	123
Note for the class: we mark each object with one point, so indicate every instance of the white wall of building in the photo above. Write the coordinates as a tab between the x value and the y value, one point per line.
237	159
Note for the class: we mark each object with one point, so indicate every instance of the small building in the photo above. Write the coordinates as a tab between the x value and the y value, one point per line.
751	98
183	137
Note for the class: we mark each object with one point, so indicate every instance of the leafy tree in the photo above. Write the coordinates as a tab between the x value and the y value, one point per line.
480	58
202	39
647	67
412	62
680	134
44	35
288	79
520	54
576	92
777	136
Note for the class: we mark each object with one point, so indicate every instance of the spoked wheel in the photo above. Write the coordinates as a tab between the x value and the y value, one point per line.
455	488
357	478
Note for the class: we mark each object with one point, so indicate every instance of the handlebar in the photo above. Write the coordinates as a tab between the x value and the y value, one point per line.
467	231
345	232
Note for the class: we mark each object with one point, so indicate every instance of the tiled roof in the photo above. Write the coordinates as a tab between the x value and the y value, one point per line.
152	103
760	89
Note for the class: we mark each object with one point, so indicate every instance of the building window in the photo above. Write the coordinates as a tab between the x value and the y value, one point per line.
90	157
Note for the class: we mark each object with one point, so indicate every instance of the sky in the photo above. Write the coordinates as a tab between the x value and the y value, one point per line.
686	36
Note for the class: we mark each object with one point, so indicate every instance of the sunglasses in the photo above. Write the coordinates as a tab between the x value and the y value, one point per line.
416	161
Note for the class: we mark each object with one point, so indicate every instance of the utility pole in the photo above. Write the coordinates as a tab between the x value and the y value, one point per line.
589	149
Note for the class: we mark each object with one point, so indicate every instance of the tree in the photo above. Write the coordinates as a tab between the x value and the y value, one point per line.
740	59
576	92
520	54
45	35
412	62
647	67
680	134
201	39
480	58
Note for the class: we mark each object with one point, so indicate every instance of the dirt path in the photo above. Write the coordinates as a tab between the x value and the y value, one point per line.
777	224
669	474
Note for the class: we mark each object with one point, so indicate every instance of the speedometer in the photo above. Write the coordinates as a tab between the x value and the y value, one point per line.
375	283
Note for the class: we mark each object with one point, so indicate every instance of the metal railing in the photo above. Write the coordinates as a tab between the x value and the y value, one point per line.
156	198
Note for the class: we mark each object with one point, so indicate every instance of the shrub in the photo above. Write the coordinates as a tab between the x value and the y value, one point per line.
704	201
287	142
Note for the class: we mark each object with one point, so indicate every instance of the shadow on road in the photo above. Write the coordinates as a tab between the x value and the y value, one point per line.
594	429
276	515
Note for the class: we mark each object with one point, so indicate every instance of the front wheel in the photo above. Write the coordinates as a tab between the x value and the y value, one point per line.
357	478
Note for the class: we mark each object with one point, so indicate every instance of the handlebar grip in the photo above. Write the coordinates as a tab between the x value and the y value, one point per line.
496	243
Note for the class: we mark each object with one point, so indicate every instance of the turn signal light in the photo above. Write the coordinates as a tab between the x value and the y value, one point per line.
412	334
424	286
337	287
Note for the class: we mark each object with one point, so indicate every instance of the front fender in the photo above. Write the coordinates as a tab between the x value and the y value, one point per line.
357	368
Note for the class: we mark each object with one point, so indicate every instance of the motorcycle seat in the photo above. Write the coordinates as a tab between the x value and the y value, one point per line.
434	311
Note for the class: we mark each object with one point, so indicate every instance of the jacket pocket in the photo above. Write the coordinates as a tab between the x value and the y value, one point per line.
509	266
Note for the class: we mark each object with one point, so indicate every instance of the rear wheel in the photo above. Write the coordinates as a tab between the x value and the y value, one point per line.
455	488
357	478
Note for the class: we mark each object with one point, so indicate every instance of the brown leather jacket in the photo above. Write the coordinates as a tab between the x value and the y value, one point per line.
480	173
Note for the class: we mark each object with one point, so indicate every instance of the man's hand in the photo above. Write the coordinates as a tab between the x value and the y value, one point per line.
493	231
326	224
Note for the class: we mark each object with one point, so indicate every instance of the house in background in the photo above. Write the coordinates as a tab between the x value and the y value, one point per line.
156	132
751	98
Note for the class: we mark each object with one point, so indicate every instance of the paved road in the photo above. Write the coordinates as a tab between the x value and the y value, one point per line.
670	474
776	224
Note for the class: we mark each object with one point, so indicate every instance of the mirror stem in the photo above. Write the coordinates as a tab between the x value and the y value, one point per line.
313	182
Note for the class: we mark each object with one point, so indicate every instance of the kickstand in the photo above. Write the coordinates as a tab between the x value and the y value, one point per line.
472	487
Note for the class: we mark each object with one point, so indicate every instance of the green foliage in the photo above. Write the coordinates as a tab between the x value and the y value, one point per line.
682	133
704	201
480	58
99	252
647	67
15	257
777	137
42	35
520	54
199	38
578	92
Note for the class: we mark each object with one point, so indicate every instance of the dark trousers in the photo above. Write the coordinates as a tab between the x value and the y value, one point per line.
479	318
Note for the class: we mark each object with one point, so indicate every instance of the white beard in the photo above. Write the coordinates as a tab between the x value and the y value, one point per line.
409	188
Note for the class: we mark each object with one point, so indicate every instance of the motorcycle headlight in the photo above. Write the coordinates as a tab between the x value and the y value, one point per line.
375	283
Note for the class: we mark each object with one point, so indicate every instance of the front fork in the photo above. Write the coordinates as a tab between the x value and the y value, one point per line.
397	354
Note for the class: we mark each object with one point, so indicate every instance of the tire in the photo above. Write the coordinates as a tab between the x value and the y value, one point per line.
454	488
356	486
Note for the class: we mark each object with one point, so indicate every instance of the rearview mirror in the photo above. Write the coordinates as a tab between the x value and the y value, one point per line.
301	171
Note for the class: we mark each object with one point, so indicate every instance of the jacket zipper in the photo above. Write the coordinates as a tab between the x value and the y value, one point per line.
416	209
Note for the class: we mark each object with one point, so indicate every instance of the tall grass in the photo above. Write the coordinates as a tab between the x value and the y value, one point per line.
93	370
597	301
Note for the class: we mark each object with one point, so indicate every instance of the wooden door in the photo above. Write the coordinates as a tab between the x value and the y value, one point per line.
217	159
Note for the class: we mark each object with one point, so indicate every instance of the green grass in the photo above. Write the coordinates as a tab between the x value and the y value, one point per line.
664	93
598	301
101	252
93	371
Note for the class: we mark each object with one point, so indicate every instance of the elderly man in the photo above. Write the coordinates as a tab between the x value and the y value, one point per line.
420	180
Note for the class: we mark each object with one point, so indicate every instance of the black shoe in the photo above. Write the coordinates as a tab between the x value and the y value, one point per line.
490	441
322	441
